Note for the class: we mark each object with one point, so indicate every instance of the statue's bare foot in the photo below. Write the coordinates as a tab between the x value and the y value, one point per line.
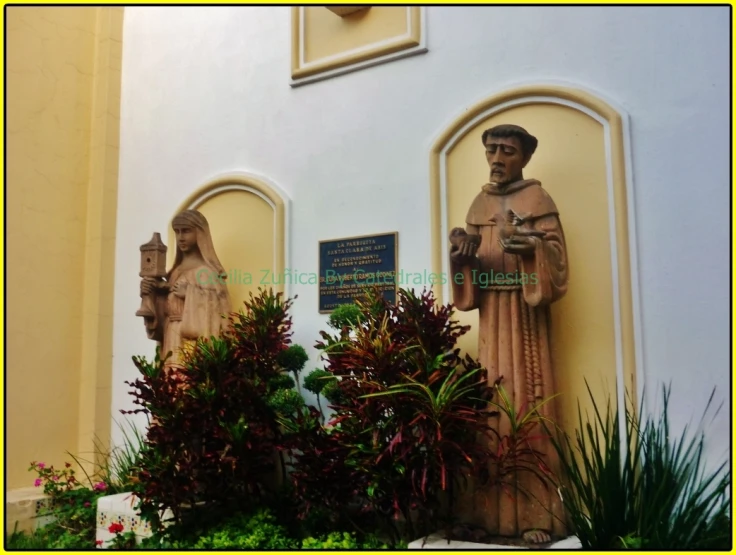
536	536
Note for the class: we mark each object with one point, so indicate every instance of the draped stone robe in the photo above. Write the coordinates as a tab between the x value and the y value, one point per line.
199	314
514	338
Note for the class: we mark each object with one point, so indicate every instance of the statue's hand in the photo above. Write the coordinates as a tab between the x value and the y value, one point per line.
457	236
180	289
519	244
464	253
148	286
464	246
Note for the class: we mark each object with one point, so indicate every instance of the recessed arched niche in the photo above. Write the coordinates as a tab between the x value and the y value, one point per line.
581	161
248	218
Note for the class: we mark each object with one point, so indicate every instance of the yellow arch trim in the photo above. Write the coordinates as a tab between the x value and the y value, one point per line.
274	198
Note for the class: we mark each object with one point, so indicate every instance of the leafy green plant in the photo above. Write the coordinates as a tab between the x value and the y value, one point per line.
72	506
317	380
55	482
332	392
514	452
257	529
343	540
345	315
630	542
293	360
213	428
646	489
119	463
407	417
52	536
285	401
281	381
114	467
439	420
23	541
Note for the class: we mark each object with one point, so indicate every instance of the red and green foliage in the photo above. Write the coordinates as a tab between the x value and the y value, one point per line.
517	451
213	425
410	418
72	506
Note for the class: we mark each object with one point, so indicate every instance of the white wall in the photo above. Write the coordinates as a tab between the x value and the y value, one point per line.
206	91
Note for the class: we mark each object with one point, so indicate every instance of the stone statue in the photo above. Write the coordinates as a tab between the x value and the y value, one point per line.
191	300
510	263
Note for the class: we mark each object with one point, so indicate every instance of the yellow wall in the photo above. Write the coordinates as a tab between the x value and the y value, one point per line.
243	233
242	230
63	95
571	164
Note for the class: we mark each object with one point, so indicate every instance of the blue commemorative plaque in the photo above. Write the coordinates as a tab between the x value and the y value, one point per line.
348	266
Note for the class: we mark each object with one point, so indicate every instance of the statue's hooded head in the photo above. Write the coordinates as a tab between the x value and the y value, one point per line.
194	220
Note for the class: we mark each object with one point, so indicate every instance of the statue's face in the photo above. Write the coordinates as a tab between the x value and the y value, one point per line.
186	238
505	158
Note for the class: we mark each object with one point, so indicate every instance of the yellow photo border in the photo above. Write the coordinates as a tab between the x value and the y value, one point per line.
345	70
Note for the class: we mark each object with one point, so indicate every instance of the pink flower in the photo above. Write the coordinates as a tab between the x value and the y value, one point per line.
87	504
100	486
37	482
41	465
55	478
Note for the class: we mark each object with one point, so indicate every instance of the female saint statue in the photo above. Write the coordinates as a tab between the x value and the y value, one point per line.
192	300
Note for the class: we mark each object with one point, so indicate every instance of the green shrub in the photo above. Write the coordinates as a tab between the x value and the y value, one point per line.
72	505
342	540
345	315
285	401
293	360
405	430
316	381
115	467
213	428
333	393
257	531
646	489
52	536
281	381
25	541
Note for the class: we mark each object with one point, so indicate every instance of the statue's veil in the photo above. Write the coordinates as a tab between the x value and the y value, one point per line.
195	219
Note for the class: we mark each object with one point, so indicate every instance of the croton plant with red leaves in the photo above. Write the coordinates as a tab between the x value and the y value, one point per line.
212	433
410	417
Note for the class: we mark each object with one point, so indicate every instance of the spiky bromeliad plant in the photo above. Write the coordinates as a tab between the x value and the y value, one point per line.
213	425
644	490
408	419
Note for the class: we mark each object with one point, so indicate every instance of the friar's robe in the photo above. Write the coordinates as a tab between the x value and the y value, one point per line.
198	314
514	338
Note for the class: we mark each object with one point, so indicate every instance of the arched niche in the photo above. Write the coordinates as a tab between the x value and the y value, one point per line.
248	221
582	161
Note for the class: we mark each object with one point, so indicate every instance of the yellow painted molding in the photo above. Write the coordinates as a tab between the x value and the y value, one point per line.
295	40
378	52
260	186
533	94
95	395
343	11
